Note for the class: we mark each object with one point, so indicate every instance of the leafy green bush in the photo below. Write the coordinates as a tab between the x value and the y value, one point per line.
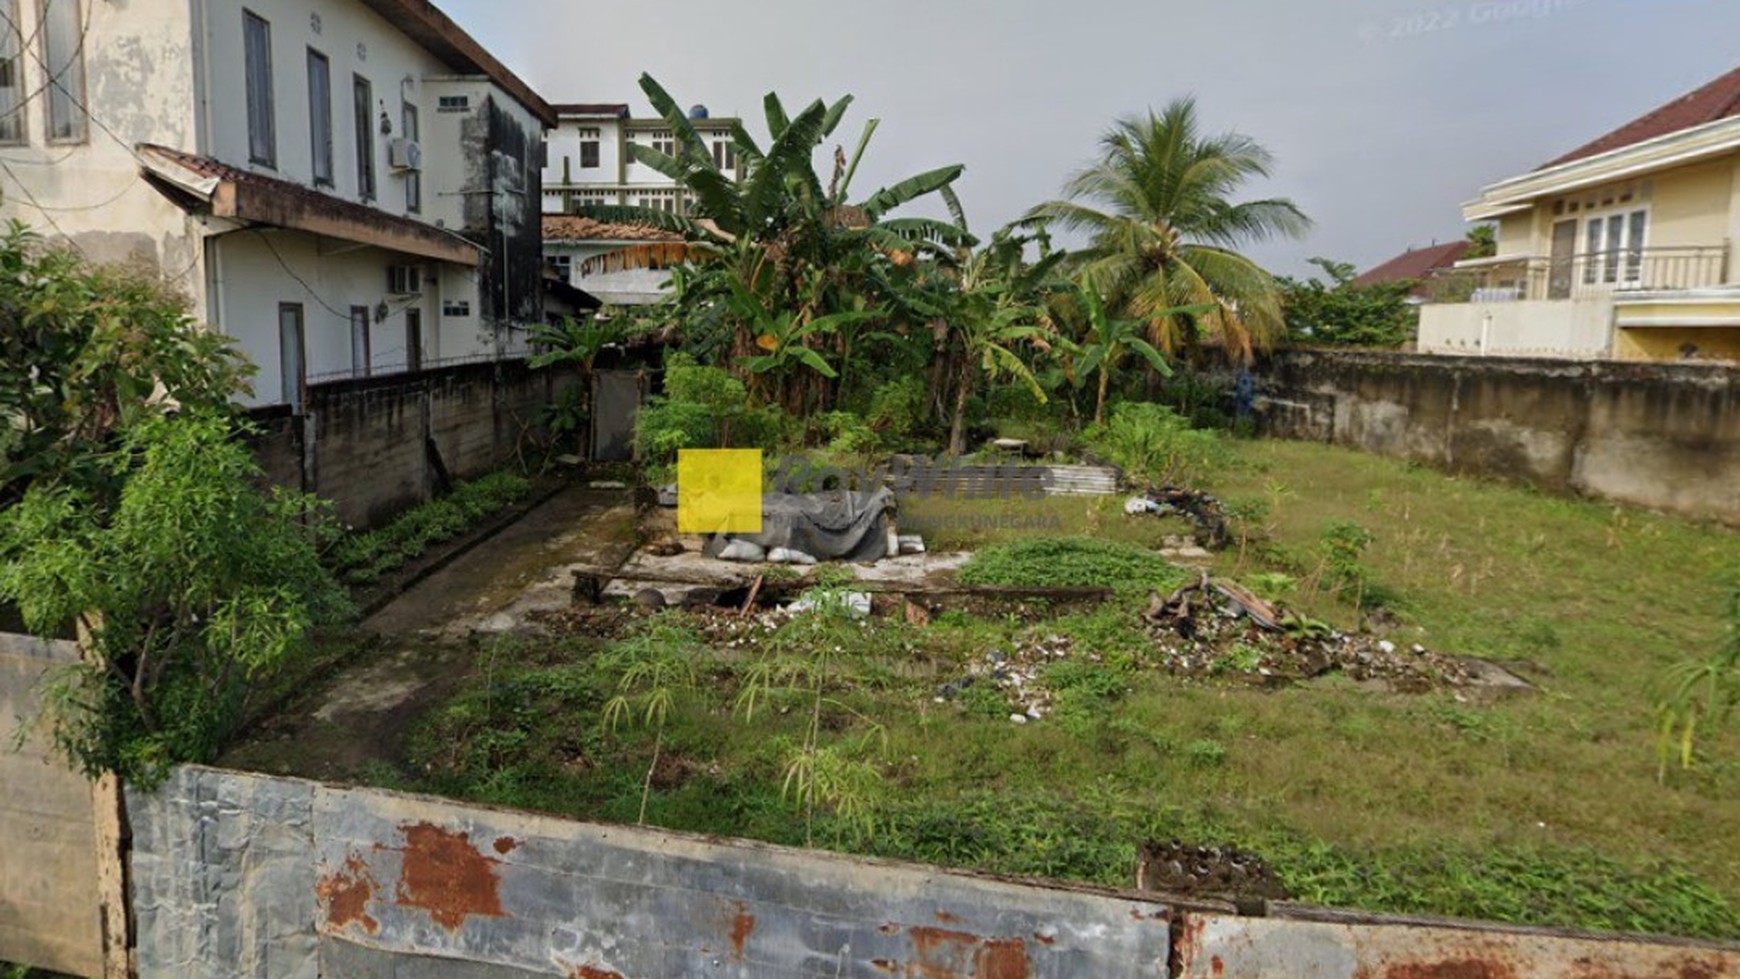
1154	444
1071	562
702	408
195	585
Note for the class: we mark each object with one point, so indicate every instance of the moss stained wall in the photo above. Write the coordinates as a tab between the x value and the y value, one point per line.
1664	436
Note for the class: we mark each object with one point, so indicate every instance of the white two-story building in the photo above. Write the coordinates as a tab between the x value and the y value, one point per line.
346	187
590	162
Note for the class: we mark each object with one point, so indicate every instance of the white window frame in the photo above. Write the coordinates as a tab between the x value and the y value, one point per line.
1614	263
15	132
68	82
257	79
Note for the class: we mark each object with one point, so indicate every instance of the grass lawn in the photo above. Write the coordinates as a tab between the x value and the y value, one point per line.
1541	809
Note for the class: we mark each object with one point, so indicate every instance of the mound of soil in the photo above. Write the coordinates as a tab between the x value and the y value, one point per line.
1183	870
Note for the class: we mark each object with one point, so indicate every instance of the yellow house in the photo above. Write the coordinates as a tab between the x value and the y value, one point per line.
1620	249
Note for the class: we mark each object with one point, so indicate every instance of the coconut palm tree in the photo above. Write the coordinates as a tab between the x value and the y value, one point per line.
1163	230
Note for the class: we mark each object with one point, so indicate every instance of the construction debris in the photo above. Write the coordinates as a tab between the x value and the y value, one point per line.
1217	628
1205	514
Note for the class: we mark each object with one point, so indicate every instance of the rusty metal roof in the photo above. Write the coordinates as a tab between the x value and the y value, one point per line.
573	227
194	181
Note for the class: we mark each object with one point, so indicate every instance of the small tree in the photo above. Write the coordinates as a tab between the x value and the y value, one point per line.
195	583
131	516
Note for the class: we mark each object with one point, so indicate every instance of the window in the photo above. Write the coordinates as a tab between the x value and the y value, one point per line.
63	41
589	154
292	374
362	107
453	103
320	116
456	307
564	266
11	76
724	156
359	341
413	179
1613	247
413	339
257	53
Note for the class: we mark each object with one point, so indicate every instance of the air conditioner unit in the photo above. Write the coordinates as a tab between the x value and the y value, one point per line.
404	280
405	154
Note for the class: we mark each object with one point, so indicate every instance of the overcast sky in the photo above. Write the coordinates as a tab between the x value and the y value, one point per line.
1384	115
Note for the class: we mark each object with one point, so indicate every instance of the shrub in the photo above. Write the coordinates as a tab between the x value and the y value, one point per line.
1154	444
362	558
1071	562
195	585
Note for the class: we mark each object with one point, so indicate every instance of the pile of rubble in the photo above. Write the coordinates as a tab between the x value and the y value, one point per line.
1016	674
1218	628
1205	514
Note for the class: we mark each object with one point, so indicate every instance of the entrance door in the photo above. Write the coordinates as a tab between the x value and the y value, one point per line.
1560	273
413	339
292	371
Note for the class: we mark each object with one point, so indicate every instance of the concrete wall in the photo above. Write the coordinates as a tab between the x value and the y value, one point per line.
1344	946
1655	435
50	909
246	876
379	445
237	875
1573	328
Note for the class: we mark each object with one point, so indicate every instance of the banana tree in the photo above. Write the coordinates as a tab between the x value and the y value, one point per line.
1109	341
792	241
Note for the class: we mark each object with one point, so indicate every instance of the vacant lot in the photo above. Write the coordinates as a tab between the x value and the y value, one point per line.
857	734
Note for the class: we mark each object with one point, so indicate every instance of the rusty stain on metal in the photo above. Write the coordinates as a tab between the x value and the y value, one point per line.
1217	966
947	918
941	953
1470	968
1001	958
346	894
592	972
1687	967
505	845
443	874
742	926
885	965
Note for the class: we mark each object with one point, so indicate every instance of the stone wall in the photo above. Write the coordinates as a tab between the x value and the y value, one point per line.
1664	436
376	446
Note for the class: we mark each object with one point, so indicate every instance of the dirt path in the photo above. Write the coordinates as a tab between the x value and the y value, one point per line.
359	717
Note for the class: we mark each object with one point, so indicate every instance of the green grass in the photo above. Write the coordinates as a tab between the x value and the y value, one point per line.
1071	562
1540	809
361	559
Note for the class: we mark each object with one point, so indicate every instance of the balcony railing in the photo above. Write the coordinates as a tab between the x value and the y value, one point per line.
1586	275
